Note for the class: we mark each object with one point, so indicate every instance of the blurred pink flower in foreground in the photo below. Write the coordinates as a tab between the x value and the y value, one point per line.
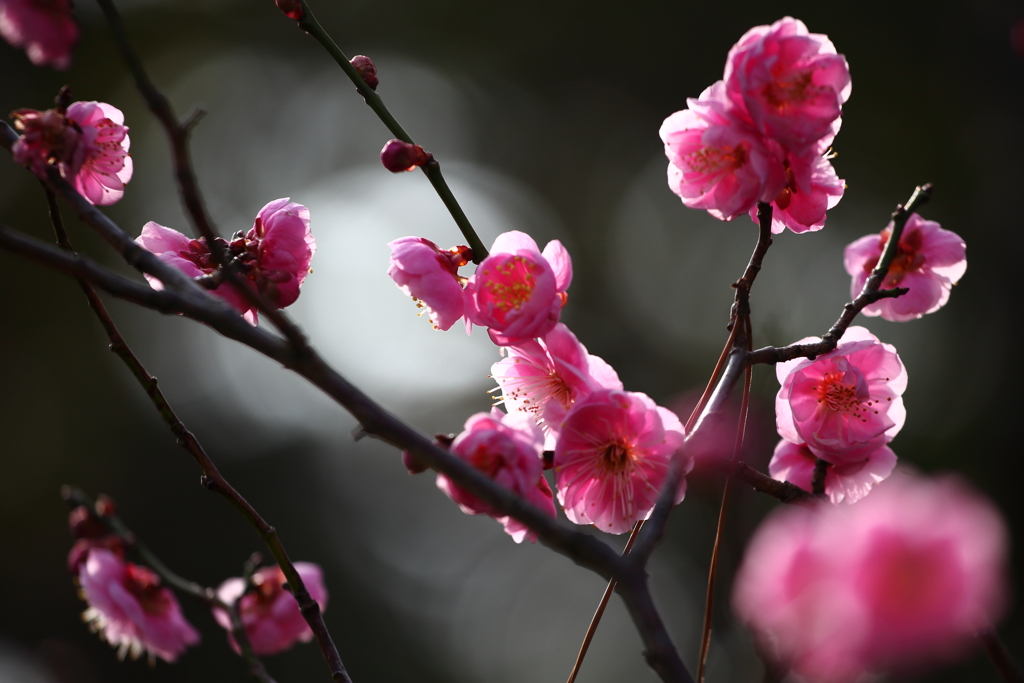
269	612
903	579
507	448
45	28
790	82
545	377
847	482
929	261
715	161
274	255
431	277
612	456
131	610
517	292
847	403
88	144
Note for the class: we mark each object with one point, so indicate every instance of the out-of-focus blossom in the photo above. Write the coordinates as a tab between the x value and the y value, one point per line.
903	579
812	188
847	403
790	82
431	277
269	612
131	610
89	532
929	261
106	165
847	482
612	456
45	28
517	292
366	68
716	162
545	377
274	255
507	448
398	156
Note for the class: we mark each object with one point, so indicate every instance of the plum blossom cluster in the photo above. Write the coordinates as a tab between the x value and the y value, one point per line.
762	133
611	448
900	581
273	256
88	143
131	608
44	28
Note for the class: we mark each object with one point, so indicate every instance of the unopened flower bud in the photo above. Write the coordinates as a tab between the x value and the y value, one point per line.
291	8
84	524
364	65
398	156
105	506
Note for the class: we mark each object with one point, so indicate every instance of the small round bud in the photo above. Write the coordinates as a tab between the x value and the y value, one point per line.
291	8
105	506
398	156
364	65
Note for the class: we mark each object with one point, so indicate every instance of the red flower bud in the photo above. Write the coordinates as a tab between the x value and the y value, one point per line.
398	156
364	65
291	8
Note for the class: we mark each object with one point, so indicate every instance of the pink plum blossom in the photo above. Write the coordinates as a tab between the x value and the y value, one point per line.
847	403
612	456
790	82
517	292
717	162
269	612
507	448
274	255
431	277
929	261
544	377
88	144
106	166
903	579
812	188
45	28
847	482
131	610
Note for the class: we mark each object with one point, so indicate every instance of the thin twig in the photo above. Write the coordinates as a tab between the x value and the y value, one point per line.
869	294
75	497
432	169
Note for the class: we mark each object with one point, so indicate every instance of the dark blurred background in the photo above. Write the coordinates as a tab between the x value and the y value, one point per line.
545	118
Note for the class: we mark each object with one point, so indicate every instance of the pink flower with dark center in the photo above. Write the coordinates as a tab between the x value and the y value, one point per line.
929	261
431	277
612	457
517	292
507	448
901	580
812	188
716	162
106	165
273	256
545	377
846	482
47	139
790	82
131	610
269	612
45	28
846	404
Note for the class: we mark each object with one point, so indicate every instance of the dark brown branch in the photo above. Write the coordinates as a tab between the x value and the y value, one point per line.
818	478
75	497
659	652
869	294
188	186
